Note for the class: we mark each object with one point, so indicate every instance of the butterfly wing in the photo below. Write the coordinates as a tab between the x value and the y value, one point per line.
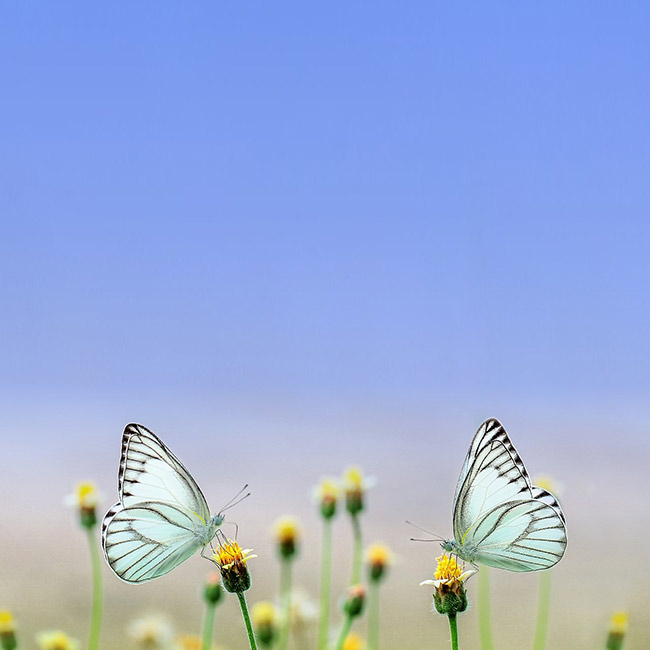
147	540
162	517
499	516
149	471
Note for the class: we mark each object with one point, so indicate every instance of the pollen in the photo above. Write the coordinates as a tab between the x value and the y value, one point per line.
230	554
447	568
6	621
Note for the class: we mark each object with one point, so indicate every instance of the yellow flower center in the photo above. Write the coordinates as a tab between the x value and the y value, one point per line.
328	490
618	624
87	495
352	642
189	642
353	479
6	621
447	568
286	529
378	554
263	614
230	553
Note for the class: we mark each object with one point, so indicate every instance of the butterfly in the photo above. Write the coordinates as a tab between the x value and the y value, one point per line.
161	518
500	519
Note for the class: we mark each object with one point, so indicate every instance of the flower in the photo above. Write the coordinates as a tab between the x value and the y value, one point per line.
353	642
617	631
449	596
7	631
188	642
151	632
212	591
231	560
56	640
327	493
355	486
355	600
85	499
265	621
286	533
303	609
548	483
379	557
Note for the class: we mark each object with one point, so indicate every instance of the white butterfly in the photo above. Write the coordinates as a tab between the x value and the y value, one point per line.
500	519
161	518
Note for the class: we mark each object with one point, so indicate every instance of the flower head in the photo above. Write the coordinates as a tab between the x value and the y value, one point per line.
303	609
287	533
151	632
355	486
379	557
7	631
56	640
265	621
355	600
327	494
212	590
231	560
617	631
85	499
353	642
449	596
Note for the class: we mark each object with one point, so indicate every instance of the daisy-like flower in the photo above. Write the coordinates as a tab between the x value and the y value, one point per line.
265	621
379	557
152	632
355	486
56	640
353	642
231	561
7	631
327	494
449	596
213	591
617	631
85	499
287	533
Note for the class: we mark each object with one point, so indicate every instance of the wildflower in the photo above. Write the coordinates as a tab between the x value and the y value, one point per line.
617	631
379	557
356	598
353	642
449	596
303	609
85	499
212	591
151	632
355	486
56	640
265	622
231	560
327	494
286	533
7	631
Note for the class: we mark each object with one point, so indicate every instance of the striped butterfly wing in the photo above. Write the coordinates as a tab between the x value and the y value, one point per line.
498	513
147	540
162	517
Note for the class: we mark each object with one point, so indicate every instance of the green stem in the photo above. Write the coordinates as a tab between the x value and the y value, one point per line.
543	609
453	626
208	626
285	596
96	615
325	585
345	630
373	615
247	619
358	551
484	625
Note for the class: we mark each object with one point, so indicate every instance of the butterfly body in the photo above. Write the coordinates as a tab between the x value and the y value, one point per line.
161	518
500	519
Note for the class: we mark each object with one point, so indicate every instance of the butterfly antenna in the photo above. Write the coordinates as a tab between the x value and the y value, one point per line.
436	538
238	498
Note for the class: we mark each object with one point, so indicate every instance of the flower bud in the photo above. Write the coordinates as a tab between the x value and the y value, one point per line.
355	601
265	622
213	591
287	533
7	631
231	560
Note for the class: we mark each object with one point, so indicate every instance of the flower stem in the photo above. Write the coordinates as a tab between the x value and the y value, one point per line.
358	551
345	630
208	625
96	615
453	626
373	615
247	619
285	596
543	609
325	585
484	626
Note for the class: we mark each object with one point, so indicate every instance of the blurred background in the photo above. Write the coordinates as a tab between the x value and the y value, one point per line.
289	238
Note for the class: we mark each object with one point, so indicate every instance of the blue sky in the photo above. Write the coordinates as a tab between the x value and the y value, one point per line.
432	202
